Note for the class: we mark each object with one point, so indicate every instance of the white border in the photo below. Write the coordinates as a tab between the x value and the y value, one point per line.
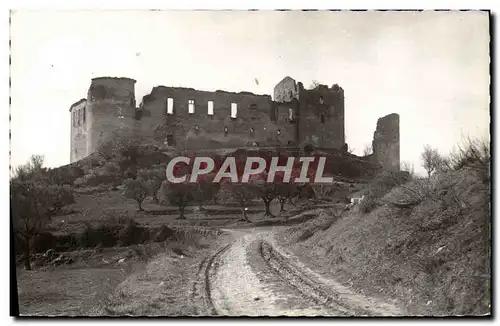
179	5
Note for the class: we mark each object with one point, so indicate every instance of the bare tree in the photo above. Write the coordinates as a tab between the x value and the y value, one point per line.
408	167
314	84
433	161
368	150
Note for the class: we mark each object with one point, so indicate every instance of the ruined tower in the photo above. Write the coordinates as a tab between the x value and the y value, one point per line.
386	142
110	108
319	112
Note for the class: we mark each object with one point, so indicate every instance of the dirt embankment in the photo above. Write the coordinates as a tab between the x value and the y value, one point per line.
433	256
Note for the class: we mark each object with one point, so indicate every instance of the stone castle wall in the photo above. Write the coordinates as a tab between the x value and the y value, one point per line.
180	118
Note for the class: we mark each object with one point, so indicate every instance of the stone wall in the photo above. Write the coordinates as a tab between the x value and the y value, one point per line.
296	117
286	90
199	129
322	117
386	142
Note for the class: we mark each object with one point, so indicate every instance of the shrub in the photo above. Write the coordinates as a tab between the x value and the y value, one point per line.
474	154
43	242
111	168
64	175
132	234
61	196
379	187
163	233
413	193
368	204
105	235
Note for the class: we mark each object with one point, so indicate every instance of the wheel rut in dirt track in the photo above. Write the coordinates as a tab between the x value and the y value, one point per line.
252	277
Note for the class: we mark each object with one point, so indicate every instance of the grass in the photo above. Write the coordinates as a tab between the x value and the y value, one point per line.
162	288
432	253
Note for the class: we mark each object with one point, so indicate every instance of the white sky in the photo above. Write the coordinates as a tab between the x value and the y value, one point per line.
431	68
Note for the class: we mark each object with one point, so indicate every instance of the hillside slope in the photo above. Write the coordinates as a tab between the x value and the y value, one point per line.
432	256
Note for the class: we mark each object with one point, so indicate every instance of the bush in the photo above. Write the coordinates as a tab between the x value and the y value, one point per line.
111	168
132	234
105	235
368	204
474	154
163	233
43	242
380	186
64	175
61	196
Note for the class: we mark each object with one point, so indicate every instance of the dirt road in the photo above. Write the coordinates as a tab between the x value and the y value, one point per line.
252	276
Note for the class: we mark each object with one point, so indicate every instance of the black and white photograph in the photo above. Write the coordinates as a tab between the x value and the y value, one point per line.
250	163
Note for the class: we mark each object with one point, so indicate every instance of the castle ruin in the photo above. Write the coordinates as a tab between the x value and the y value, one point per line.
185	118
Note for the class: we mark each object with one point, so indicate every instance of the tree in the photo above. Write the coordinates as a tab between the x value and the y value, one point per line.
242	193
264	190
286	190
136	189
368	150
178	194
432	160
34	200
205	189
314	84
31	205
153	179
33	169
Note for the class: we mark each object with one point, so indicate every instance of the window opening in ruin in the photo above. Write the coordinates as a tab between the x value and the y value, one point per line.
279	132
170	105
210	108
225	131
234	110
196	128
321	100
170	139
83	115
252	132
78	114
73	118
290	114
191	106
322	118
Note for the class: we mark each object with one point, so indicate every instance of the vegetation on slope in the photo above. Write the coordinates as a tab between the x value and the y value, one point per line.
426	242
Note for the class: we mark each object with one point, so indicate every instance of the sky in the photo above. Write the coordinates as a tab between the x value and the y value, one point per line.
432	68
